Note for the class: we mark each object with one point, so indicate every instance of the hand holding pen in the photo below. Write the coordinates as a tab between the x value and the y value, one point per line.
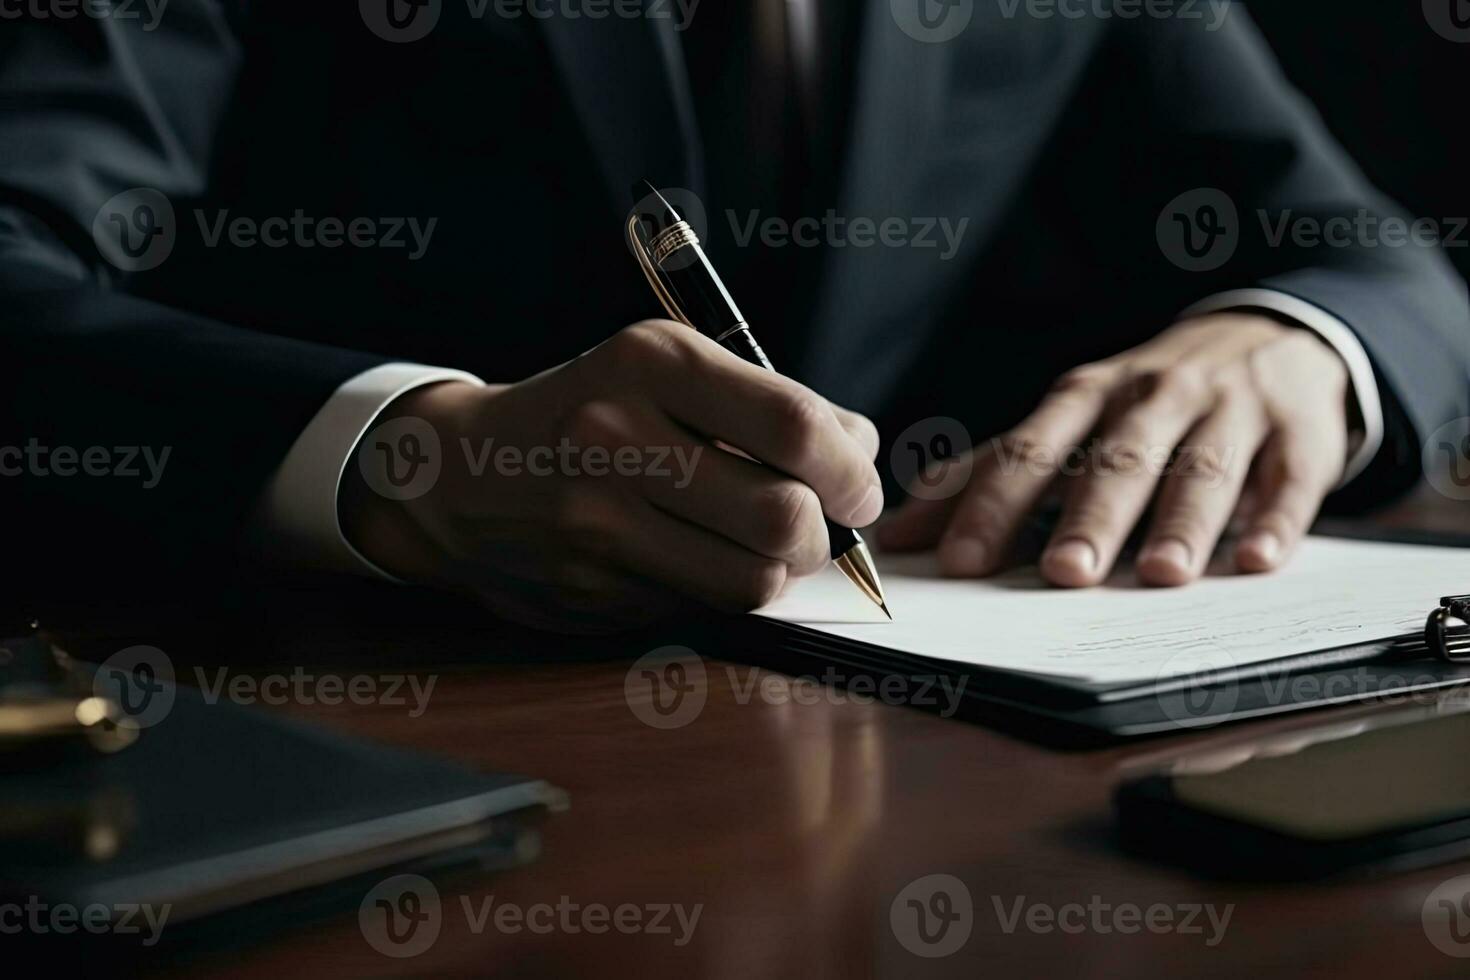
680	274
594	496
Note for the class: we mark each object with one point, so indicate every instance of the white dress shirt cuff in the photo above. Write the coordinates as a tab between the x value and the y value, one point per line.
297	519
1340	337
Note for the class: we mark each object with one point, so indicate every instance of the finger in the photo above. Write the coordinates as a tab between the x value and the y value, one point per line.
756	507
1290	483
774	419
1149	418
1200	494
698	563
1013	472
859	428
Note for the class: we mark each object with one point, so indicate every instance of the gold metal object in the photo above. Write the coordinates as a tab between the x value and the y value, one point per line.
99	722
859	568
53	702
643	251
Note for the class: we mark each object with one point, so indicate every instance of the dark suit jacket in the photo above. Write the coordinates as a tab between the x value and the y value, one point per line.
1060	141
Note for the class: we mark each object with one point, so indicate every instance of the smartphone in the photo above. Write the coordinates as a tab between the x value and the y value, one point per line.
1391	792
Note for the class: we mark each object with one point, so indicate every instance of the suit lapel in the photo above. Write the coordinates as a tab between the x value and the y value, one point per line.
626	80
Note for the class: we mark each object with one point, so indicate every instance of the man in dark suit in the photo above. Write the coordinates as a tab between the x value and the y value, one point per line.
360	276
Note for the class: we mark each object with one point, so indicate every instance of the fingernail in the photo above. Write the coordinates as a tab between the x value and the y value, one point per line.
869	508
1170	551
1074	553
963	556
1266	545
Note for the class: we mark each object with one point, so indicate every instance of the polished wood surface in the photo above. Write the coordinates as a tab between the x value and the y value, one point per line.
794	827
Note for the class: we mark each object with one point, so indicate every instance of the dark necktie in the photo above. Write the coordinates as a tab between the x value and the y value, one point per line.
747	102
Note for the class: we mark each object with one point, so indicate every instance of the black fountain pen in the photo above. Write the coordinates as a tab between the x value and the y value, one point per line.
668	251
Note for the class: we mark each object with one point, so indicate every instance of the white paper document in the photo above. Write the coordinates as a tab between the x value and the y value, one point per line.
1334	592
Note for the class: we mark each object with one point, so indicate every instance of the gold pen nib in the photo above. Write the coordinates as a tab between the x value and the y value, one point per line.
858	566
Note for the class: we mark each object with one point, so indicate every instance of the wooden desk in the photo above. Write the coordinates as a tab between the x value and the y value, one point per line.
795	826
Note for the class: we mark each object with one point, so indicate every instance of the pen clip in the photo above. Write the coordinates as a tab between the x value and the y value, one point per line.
655	276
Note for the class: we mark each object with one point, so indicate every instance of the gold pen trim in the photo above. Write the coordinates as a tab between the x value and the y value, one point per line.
860	570
642	251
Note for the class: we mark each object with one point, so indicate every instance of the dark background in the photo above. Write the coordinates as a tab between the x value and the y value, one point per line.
1391	89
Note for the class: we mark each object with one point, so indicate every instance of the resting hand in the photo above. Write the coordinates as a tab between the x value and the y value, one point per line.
1227	414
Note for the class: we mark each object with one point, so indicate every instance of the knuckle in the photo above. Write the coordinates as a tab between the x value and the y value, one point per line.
1144	383
803	411
1233	382
1024	447
1185	390
1085	380
1200	466
645	341
1155	390
801	416
1185	383
1126	452
1242	405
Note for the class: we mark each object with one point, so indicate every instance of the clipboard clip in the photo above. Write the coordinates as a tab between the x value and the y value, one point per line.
1447	632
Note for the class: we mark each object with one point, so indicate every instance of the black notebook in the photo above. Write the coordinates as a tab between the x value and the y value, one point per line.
220	805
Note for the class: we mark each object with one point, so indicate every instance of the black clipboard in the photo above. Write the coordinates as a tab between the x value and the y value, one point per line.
1062	713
